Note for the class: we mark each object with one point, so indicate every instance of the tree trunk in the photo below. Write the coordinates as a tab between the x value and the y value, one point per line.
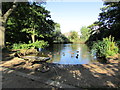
2	30
33	35
2	36
33	38
3	19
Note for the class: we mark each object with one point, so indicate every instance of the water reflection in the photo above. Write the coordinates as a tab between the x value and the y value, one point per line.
69	54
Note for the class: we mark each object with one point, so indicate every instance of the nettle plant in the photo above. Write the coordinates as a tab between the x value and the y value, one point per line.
105	48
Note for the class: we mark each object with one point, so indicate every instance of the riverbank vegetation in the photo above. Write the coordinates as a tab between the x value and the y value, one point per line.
85	31
105	48
58	37
74	37
29	25
37	44
104	34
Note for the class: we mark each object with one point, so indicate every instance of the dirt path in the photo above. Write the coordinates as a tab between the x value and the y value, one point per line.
12	80
95	75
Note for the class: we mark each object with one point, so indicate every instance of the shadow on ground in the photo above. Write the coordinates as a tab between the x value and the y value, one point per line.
95	75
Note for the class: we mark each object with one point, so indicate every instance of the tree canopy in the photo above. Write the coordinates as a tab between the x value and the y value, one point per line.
5	12
85	33
108	22
29	22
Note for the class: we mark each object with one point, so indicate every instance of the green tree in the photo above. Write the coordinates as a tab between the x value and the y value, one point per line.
57	33
34	22
38	23
5	12
73	36
58	37
109	18
85	33
108	22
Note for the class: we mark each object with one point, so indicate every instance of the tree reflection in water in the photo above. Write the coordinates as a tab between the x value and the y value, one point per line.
69	54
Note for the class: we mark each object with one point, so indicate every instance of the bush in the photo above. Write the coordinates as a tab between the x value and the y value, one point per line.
118	44
106	47
37	44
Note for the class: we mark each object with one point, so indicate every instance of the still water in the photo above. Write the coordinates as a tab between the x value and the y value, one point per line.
69	54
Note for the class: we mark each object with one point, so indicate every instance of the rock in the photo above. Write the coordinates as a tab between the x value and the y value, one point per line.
115	57
12	54
45	69
28	67
36	66
110	60
17	55
36	58
8	58
28	63
21	63
13	62
26	51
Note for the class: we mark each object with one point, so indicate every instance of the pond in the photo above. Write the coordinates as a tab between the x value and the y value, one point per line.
68	54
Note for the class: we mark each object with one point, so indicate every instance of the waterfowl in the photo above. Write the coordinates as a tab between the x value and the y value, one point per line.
77	51
72	55
63	54
77	55
70	52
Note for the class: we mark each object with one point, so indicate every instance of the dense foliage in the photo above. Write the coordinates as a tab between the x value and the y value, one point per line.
58	37
74	37
108	22
106	47
104	37
31	22
28	23
7	9
37	44
85	34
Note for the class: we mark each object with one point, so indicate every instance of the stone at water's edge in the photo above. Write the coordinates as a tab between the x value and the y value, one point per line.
26	51
36	58
43	68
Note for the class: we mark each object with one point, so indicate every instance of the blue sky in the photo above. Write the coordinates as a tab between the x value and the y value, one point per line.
74	15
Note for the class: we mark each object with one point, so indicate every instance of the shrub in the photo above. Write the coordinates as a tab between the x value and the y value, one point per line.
106	47
118	43
37	44
40	44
